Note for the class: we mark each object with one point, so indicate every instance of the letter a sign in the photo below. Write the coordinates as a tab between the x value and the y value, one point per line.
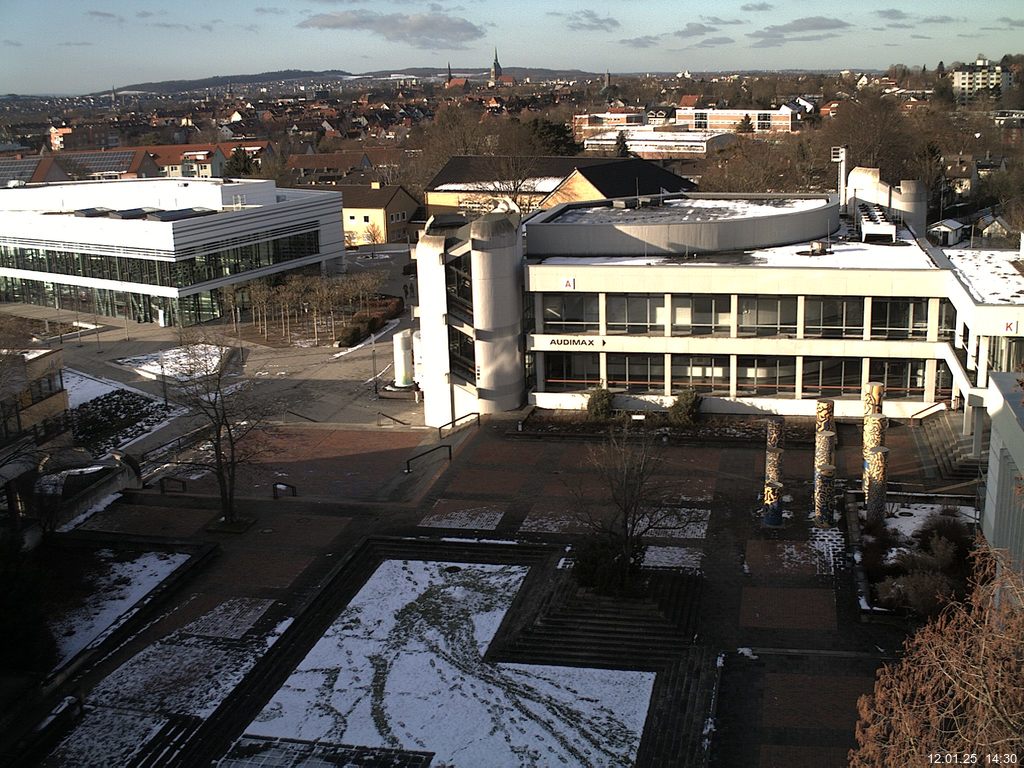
569	284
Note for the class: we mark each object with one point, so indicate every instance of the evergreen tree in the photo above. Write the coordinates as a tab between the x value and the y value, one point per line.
621	145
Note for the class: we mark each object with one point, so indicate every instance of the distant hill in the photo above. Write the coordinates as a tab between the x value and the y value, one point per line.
177	86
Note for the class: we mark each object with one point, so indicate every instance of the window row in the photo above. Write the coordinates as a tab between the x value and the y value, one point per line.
176	274
756	376
711	314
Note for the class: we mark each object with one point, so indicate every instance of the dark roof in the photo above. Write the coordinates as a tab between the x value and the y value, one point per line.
474	169
360	196
631	176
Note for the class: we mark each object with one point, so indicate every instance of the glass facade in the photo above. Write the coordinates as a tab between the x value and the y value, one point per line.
571	371
571	312
834	317
705	315
462	355
903	379
643	374
767	316
765	376
899	318
832	377
707	374
636	313
214	263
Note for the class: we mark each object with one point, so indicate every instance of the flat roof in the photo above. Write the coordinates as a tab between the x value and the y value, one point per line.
843	251
991	276
688	209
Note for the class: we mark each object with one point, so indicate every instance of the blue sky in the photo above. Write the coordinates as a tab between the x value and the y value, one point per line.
79	46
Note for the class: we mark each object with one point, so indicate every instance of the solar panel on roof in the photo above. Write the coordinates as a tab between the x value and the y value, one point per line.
179	215
91	213
133	213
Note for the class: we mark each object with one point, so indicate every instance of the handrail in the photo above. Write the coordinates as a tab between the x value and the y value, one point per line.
387	416
453	422
924	411
408	463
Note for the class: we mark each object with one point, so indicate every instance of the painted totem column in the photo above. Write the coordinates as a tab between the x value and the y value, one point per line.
825	416
824	481
874	392
772	505
874	437
877	469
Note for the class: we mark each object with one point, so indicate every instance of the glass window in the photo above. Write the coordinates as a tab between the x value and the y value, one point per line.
765	376
903	379
767	315
899	318
571	371
707	374
570	312
834	317
462	355
702	315
637	313
832	377
643	374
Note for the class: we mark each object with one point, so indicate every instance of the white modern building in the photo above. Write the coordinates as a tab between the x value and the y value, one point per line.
654	142
1003	516
157	250
761	303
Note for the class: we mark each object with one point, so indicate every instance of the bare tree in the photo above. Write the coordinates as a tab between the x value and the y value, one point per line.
229	408
636	505
960	684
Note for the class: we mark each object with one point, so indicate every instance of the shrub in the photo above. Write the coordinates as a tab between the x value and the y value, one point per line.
352	333
597	564
939	554
600	404
952	529
925	593
683	411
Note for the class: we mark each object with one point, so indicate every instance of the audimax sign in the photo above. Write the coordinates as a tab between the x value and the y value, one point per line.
572	342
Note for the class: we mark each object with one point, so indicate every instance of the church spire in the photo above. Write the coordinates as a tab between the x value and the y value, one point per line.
449	80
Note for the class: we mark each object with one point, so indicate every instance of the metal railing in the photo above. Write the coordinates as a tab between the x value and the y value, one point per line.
454	422
408	463
392	418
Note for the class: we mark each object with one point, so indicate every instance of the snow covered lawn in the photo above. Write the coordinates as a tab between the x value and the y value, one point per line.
910	517
120	585
82	388
673	558
180	363
402	667
453	514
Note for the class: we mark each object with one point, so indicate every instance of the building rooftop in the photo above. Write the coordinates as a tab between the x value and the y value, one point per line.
688	209
992	277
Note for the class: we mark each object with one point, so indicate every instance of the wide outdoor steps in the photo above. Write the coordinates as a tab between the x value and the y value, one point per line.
579	628
950	450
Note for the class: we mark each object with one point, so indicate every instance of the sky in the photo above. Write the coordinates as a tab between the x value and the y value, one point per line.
82	46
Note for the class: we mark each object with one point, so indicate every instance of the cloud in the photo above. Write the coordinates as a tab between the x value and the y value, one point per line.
11	43
718	21
946	20
644	41
1011	22
74	44
819	27
266	11
587	21
694	29
105	16
921	37
428	30
713	42
756	7
894	14
171	25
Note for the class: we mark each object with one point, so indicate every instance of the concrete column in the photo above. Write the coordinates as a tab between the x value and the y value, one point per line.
538	312
602	316
801	310
933	320
732	375
968	428
865	372
972	350
603	367
958	337
798	381
931	376
983	342
539	372
979	417
668	314
668	374
867	319
734	319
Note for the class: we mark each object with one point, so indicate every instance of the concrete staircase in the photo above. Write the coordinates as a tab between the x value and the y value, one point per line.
947	453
